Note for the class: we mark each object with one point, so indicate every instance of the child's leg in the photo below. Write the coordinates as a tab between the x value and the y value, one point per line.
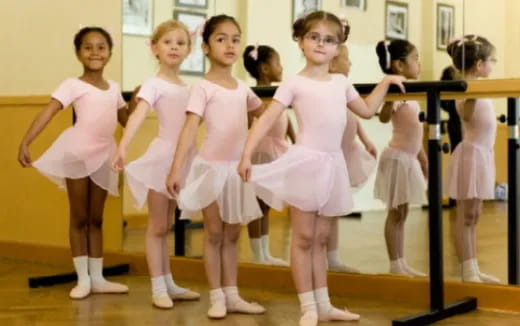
326	311
255	237
234	302
97	197
77	192
393	226
264	238
302	224
477	211
174	291
403	211
333	260
464	240
213	239
156	232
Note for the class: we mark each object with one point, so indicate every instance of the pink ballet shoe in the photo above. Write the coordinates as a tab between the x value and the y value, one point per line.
244	307
187	295
333	314
217	310
162	302
309	318
109	287
79	292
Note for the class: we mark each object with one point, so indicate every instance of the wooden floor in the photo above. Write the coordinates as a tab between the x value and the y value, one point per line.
21	306
362	241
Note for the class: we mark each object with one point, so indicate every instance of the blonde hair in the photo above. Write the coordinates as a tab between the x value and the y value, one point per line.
167	26
342	54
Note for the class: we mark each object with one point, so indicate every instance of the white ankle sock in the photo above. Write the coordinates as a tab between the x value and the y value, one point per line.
216	295
95	266
231	293
469	270
266	250
256	248
307	301
81	267
397	268
159	286
171	286
322	299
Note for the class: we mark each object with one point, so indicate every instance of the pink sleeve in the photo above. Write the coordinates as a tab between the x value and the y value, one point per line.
351	92
66	93
198	100
148	93
284	93
253	101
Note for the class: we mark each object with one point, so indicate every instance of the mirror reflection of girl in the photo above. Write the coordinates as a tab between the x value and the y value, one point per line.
361	162
263	64
167	94
403	166
79	160
312	177
471	173
213	186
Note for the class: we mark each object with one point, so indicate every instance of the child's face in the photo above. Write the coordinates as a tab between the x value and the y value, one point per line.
94	51
172	48
274	70
224	44
320	44
412	67
485	67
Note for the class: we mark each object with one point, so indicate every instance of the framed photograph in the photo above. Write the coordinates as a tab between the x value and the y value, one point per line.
137	17
445	25
358	4
303	7
195	63
396	21
192	3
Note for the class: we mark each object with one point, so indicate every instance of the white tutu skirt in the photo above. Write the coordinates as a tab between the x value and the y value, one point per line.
269	149
360	164
76	154
471	172
152	168
210	181
399	179
310	180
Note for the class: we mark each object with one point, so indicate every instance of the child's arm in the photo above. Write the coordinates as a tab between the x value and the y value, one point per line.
423	160
184	144
260	128
251	115
39	123
368	107
369	146
291	133
467	109
386	112
134	123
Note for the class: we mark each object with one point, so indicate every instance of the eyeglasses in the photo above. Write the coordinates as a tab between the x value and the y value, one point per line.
317	39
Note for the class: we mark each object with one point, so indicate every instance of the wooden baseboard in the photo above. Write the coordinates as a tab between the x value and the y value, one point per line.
499	297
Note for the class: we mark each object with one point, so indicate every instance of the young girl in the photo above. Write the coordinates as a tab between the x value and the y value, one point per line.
360	161
212	184
311	177
471	173
403	166
263	64
80	158
146	176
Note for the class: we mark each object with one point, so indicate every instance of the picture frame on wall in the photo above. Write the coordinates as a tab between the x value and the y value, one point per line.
357	4
202	4
195	63
137	17
303	7
396	20
445	25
